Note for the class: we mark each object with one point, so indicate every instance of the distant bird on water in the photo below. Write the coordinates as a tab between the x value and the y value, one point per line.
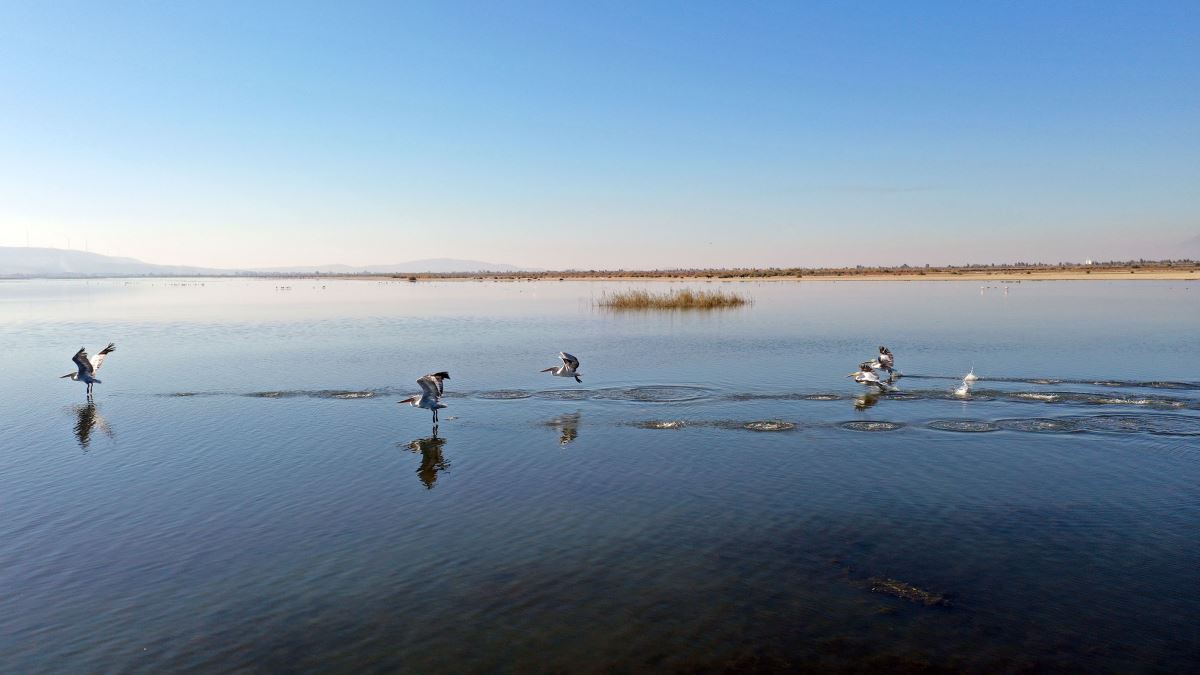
89	366
866	375
569	368
431	394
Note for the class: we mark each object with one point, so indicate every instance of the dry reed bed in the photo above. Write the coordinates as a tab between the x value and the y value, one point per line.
680	298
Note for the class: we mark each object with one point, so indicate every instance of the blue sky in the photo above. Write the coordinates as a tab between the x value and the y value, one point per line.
601	135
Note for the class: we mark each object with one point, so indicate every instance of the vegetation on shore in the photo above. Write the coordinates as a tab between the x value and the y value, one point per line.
678	298
1183	266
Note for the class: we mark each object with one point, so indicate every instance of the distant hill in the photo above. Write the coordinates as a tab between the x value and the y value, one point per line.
1188	248
57	262
428	265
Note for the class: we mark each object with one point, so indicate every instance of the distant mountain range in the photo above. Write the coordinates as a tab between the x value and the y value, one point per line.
1189	248
56	262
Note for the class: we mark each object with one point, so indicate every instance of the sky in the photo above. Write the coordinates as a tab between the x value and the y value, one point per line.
598	135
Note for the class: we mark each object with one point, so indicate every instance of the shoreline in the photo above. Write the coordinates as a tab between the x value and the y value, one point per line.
1004	277
1190	273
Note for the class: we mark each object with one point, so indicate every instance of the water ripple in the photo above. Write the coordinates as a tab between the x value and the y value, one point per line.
1157	424
768	425
870	425
503	394
654	394
1042	425
661	424
967	426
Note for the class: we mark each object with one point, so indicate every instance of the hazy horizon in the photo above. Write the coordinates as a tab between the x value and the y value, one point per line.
602	136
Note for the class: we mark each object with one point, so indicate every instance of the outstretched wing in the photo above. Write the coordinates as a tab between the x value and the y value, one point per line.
82	362
98	359
570	361
886	358
431	384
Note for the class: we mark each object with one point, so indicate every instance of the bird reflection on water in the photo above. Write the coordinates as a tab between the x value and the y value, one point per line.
866	401
567	427
88	418
432	459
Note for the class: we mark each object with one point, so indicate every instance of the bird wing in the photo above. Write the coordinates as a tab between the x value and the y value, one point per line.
98	359
81	360
432	384
570	361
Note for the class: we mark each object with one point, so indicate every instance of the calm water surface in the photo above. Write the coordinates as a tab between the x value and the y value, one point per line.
246	494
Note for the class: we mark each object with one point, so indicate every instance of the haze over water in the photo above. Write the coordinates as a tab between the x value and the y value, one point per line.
246	494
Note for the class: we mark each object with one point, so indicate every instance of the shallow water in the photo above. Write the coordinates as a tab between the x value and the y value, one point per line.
246	494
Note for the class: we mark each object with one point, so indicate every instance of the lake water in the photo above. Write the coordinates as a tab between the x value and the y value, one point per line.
717	494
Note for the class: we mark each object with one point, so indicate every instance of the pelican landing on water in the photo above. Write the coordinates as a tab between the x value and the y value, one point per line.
885	361
866	375
431	394
88	366
569	368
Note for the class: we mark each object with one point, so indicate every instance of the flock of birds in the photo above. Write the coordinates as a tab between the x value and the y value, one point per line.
433	388
430	398
868	374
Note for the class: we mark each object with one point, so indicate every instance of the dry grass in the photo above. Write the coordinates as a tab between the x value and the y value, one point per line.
680	298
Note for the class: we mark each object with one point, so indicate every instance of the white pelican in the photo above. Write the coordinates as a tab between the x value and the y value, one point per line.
569	368
431	394
88	366
866	376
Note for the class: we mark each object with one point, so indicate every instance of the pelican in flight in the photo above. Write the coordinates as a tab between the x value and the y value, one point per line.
431	394
885	361
88	366
866	376
569	368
